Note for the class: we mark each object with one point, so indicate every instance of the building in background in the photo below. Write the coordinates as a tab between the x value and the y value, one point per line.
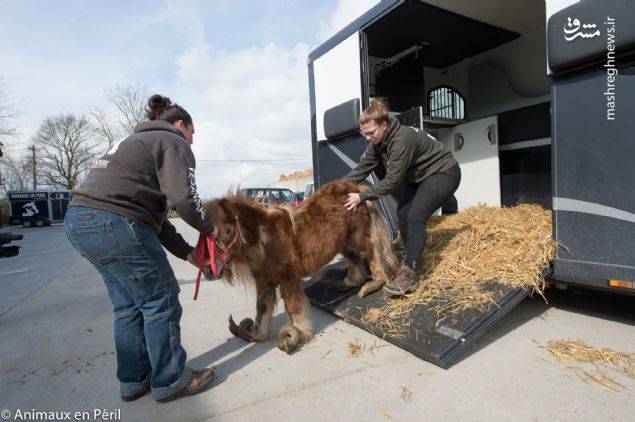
295	181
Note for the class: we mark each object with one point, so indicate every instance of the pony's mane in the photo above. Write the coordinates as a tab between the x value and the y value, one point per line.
237	198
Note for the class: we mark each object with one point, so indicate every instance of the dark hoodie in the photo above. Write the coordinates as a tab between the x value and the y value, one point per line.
143	176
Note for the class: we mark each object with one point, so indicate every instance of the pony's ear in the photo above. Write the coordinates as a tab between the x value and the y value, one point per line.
225	204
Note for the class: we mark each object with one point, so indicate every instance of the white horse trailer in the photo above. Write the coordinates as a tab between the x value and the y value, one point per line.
535	99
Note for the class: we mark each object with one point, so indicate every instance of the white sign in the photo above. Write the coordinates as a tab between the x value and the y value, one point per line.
29	209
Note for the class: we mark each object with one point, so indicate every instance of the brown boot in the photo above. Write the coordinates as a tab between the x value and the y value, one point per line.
404	282
198	381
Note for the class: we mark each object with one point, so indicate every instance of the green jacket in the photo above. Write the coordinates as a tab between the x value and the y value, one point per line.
408	154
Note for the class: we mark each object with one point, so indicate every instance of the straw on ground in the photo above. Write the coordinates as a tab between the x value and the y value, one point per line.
355	348
592	364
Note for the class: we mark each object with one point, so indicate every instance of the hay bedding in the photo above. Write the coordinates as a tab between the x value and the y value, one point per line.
465	253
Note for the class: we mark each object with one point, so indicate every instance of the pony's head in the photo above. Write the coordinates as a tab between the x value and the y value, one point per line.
231	232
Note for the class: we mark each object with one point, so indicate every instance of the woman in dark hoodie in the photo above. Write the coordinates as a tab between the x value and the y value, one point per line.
427	168
117	219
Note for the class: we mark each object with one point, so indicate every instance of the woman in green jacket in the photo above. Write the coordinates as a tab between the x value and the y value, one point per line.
428	170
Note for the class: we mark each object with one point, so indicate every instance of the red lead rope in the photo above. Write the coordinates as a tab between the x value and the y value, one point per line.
206	245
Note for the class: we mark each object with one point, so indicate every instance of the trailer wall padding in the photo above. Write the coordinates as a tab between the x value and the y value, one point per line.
342	119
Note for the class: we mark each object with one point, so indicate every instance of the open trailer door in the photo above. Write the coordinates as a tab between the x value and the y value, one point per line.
335	80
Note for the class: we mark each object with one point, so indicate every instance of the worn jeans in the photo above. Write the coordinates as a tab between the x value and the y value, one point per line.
417	203
145	295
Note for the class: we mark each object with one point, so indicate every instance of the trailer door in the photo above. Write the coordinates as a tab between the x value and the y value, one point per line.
337	78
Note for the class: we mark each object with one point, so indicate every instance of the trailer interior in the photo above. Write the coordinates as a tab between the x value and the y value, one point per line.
472	67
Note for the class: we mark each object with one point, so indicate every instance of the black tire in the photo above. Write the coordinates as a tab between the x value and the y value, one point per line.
40	223
27	223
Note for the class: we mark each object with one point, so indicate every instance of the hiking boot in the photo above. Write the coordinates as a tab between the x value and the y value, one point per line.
404	282
198	381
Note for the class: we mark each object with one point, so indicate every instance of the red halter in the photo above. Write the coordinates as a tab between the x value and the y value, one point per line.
207	245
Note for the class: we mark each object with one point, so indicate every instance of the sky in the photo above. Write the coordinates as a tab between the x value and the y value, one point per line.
237	66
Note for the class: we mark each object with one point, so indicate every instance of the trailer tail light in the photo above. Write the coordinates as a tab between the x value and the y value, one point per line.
621	283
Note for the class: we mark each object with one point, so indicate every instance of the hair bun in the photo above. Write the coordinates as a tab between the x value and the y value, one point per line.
156	104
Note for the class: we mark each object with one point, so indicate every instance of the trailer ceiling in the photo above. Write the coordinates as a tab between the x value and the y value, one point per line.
448	37
517	15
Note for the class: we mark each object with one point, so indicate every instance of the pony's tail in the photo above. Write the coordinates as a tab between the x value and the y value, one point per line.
386	263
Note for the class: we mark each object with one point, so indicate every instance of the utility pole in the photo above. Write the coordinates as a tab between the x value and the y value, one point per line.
34	172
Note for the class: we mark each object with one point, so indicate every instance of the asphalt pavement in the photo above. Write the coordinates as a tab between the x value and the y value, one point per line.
43	255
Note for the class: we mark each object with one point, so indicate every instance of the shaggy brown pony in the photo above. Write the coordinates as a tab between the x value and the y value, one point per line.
276	247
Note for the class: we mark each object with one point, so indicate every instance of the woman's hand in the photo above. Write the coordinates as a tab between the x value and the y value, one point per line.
352	201
192	258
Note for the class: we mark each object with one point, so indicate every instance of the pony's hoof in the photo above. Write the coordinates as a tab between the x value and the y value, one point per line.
289	338
244	330
370	287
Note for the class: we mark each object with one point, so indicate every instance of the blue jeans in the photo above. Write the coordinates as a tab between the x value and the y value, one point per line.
145	295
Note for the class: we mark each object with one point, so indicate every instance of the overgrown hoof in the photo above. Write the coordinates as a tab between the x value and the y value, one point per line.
289	338
244	330
370	287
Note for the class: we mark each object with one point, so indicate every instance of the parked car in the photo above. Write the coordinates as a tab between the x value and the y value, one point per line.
295	199
309	190
268	196
9	251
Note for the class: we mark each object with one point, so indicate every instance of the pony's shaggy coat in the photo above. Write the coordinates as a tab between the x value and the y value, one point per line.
276	247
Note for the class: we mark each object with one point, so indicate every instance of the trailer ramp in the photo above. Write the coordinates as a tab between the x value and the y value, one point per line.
438	339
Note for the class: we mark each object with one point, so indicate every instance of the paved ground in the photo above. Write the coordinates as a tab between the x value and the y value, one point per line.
57	353
44	254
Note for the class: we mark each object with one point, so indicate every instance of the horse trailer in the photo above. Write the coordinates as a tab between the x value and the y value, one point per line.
37	207
534	98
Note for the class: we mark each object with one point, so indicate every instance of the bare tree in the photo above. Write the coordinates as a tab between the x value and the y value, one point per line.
129	103
7	113
8	166
66	148
106	129
17	172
